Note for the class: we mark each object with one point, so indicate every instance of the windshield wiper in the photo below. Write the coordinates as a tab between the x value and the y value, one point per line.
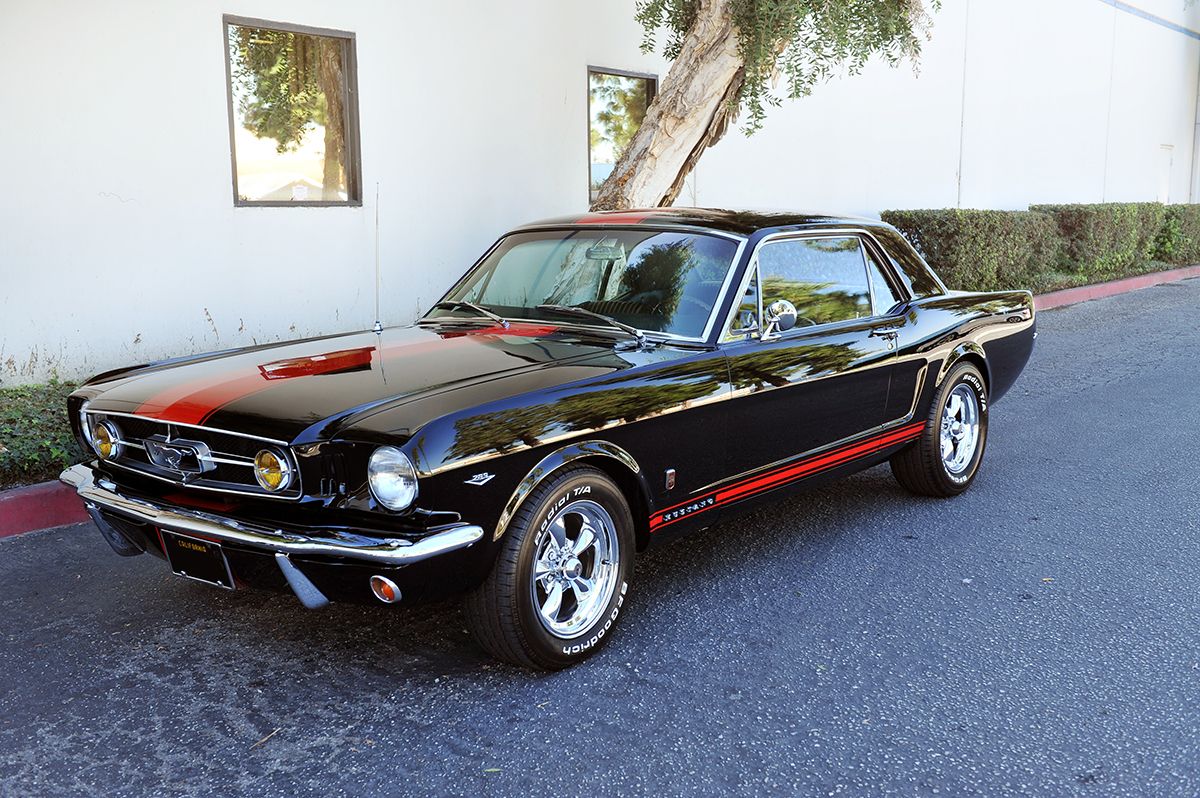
572	310
458	304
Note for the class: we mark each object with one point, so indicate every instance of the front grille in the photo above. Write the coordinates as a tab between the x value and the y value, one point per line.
228	463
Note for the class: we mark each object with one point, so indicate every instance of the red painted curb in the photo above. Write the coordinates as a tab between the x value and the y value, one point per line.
1070	296
41	506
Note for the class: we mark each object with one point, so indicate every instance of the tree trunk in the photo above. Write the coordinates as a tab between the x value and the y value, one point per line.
329	78
692	110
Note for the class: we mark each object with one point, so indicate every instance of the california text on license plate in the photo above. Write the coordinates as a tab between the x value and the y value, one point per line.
197	559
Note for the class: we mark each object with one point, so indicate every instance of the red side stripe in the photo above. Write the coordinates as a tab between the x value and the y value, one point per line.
785	474
820	464
911	428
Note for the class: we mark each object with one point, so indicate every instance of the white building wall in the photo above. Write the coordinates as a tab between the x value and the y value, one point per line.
1033	100
119	241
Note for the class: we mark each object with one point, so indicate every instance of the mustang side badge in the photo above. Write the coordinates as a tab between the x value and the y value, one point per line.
480	479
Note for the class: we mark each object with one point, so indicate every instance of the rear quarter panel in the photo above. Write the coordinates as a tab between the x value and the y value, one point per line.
997	328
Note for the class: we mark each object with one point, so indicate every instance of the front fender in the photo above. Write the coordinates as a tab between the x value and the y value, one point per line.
571	453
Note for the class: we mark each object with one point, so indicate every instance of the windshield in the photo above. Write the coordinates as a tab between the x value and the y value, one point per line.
653	280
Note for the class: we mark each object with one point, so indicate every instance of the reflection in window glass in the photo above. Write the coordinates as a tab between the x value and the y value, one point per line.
291	96
616	107
746	319
825	278
657	281
885	296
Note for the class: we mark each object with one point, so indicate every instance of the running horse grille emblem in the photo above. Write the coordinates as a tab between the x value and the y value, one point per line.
180	456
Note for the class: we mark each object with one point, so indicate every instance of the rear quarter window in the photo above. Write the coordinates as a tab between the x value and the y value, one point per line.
916	274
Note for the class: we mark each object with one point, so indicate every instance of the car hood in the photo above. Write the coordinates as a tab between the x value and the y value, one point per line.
310	390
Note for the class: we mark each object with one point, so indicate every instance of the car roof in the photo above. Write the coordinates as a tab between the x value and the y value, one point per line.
738	222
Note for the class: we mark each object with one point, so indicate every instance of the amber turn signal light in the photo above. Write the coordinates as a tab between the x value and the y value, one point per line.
271	471
385	589
106	440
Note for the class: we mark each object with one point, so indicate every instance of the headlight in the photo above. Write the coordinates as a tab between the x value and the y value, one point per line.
392	477
106	440
271	471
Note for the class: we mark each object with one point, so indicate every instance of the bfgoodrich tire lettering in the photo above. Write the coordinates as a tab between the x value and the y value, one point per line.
560	581
945	459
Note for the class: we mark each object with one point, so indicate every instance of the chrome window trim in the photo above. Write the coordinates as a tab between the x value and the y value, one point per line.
862	255
288	453
712	314
753	268
888	269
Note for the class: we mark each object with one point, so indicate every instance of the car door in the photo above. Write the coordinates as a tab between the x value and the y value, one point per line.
821	382
891	300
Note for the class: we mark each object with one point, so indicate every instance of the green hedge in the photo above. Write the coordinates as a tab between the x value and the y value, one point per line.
1051	246
1107	240
1179	240
981	250
35	437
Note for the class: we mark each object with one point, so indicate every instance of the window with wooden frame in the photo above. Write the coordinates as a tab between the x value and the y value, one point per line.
293	114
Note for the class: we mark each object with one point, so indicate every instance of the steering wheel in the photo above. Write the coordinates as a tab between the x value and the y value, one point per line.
703	306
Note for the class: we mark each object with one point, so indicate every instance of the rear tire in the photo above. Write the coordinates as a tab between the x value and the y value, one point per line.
558	585
945	459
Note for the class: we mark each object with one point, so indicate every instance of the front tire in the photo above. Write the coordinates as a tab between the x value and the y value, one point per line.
561	578
945	459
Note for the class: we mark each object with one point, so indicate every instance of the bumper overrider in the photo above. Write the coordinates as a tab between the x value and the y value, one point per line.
332	548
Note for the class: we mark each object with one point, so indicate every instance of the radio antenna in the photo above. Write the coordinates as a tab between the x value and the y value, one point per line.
378	324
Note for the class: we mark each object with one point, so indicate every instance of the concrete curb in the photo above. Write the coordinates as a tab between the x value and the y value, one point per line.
52	504
42	506
1071	296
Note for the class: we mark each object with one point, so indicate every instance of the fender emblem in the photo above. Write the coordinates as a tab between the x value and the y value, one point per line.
480	479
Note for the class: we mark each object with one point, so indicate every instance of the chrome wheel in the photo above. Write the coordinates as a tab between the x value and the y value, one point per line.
960	429
575	569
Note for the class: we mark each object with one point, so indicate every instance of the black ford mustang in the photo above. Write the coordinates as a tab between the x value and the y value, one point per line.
590	385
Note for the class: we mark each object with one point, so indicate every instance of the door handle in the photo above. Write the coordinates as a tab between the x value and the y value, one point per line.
888	334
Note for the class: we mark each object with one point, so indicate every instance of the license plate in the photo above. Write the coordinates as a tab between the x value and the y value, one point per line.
197	559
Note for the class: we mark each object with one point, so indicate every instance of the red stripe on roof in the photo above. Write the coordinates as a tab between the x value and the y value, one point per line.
629	217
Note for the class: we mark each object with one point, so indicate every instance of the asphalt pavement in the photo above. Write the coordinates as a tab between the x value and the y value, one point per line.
1038	635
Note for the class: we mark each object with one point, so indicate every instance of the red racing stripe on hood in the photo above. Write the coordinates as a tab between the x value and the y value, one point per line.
193	401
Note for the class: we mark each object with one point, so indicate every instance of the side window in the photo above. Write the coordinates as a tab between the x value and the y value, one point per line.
825	278
913	271
885	296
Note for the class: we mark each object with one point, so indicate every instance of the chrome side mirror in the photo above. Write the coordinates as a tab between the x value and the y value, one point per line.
780	316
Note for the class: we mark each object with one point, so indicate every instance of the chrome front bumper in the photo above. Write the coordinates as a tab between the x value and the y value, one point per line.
101	493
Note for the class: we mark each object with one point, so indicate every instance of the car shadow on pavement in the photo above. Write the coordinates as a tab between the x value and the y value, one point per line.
432	638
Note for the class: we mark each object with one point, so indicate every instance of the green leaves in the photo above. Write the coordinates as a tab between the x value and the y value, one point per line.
36	442
276	78
1050	246
805	42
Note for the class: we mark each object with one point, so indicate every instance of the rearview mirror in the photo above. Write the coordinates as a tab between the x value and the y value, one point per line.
780	316
602	252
